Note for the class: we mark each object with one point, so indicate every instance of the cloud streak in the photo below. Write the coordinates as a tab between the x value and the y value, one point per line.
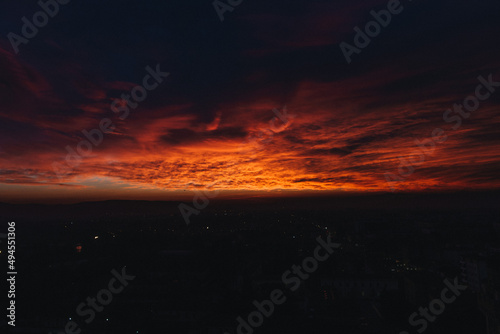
352	123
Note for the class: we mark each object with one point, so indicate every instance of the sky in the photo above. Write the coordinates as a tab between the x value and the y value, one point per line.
263	102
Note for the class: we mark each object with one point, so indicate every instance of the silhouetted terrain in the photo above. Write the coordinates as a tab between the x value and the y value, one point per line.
396	250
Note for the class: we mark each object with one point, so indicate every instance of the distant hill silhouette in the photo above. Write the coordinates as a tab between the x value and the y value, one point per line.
131	209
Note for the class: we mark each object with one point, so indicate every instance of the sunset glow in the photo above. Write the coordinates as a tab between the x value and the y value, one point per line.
200	128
